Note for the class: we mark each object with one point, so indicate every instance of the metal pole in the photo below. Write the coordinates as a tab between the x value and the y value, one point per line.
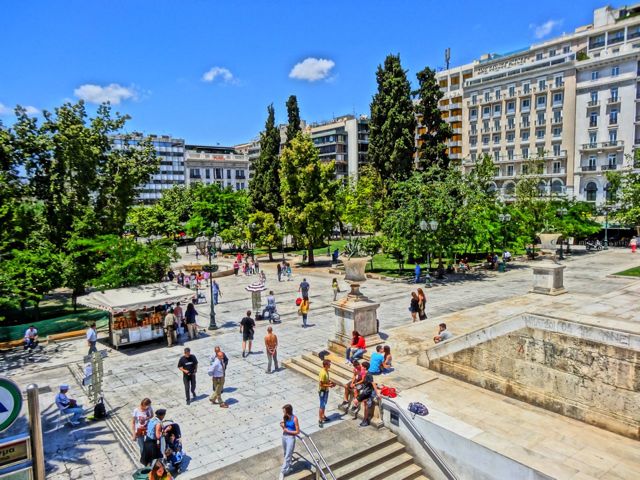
35	424
606	228
212	311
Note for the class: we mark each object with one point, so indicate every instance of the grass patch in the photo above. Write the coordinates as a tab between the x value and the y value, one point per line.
61	324
632	272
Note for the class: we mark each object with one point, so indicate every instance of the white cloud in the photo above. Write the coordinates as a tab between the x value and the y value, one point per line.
224	74
31	110
113	93
544	29
4	110
312	69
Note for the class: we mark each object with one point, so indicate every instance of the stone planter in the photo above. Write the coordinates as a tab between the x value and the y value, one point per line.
549	241
354	269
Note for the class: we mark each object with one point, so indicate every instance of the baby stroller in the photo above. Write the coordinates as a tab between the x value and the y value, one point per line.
173	453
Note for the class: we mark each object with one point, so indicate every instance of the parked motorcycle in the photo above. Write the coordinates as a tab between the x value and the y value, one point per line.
591	245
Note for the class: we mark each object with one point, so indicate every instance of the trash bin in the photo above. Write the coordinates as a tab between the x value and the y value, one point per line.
142	473
502	267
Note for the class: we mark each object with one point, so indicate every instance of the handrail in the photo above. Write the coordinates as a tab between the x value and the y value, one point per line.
320	458
438	460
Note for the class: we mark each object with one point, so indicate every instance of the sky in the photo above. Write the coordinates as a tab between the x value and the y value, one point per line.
206	70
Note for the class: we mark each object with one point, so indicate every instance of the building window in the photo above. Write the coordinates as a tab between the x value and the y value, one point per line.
556	150
557	116
525	153
497	93
510	170
194	173
219	173
541	119
611	160
559	81
510	137
566	49
473	157
557	132
538	56
615	71
524	169
525	136
541	101
496	110
593	139
511	124
596	41
613	135
633	32
542	84
593	119
613	116
487	96
240	174
540	134
512	91
486	112
485	140
616	37
496	139
496	124
594	75
594	98
511	107
557	99
552	53
614	94
591	191
510	154
556	167
207	173
525	105
496	156
525	121
473	113
228	174
526	88
474	99
592	163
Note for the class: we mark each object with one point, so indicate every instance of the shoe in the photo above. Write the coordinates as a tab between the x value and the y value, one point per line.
193	394
355	408
268	371
326	420
74	423
213	401
243	354
321	424
344	404
364	423
224	405
347	362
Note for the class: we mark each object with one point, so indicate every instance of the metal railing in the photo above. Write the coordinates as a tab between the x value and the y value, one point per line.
319	461
435	456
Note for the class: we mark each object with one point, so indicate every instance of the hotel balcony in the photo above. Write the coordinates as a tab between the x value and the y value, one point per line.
613	166
616	144
613	100
593	103
588	168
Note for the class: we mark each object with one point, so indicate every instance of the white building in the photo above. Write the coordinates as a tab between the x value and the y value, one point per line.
215	164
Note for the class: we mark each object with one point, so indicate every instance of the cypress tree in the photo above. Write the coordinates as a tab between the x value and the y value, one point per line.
264	188
293	113
433	148
392	126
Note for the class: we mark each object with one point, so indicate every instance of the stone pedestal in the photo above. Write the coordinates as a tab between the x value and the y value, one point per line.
355	312
548	279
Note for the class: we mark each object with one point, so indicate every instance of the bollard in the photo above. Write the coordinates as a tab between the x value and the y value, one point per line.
35	424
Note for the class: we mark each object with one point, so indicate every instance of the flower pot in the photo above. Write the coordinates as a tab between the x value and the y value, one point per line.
354	269
549	241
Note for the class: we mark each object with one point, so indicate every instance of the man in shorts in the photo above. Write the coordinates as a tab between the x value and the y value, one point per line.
324	384
247	326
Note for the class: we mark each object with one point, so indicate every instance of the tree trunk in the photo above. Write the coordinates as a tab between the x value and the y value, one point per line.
270	254
310	258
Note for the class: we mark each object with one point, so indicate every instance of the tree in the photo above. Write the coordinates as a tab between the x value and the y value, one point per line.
214	204
264	188
308	190
361	200
625	193
167	217
392	126
433	147
262	231
531	204
293	115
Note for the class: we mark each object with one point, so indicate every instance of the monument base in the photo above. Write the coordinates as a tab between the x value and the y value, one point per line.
355	312
548	279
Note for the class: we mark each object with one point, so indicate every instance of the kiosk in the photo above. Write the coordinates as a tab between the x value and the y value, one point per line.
136	313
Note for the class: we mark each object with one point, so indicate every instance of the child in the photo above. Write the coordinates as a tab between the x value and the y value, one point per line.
173	452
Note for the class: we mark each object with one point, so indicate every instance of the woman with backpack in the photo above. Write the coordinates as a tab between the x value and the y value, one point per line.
152	439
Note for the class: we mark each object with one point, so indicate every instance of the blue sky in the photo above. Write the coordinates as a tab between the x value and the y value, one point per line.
205	70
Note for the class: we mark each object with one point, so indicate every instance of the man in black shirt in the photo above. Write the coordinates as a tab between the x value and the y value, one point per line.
304	289
366	396
246	329
188	365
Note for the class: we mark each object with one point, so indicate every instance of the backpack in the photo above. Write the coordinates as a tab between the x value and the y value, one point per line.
418	408
388	392
99	411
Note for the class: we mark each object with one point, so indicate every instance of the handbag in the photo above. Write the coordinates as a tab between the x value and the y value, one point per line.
390	392
141	431
298	301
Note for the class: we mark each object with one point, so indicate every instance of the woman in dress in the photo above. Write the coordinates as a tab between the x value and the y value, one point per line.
414	307
422	305
141	416
290	429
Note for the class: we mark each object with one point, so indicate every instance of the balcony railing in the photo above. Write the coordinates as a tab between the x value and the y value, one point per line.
613	121
593	124
594	146
611	166
613	100
589	168
593	103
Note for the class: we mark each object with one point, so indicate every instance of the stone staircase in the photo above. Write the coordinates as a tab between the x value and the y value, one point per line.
340	372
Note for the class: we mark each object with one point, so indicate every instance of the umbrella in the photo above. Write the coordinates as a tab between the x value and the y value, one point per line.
255	287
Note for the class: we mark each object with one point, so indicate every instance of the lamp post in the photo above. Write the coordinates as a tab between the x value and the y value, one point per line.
203	243
425	226
504	219
606	226
278	226
561	212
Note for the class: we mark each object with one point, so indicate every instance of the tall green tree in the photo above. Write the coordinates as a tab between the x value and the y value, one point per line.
167	217
308	190
433	148
362	200
392	126
293	115
625	193
264	188
261	230
214	204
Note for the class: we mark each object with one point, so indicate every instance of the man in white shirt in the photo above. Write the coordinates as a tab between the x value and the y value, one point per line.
443	333
169	327
216	370
30	338
92	338
69	405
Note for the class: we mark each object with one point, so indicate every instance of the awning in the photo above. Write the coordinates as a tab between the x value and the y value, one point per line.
136	298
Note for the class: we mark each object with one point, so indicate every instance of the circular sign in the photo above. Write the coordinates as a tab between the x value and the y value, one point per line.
10	403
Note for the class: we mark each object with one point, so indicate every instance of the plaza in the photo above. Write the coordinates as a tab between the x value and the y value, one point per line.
215	438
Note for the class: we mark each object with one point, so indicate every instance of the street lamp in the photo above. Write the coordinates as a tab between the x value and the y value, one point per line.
203	243
431	225
561	212
606	226
504	219
278	226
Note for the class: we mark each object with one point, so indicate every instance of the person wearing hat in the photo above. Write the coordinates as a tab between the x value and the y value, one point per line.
69	405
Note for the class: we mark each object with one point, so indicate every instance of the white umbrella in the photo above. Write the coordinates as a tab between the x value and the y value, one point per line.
255	287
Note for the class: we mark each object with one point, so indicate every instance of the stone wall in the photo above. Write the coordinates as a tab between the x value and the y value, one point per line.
590	381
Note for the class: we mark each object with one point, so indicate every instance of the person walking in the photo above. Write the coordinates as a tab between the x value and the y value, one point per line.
290	430
190	318
304	289
271	346
336	288
324	384
225	360
247	326
170	327
422	305
141	416
279	267
92	338
417	271
414	307
177	311
188	365
304	311
236	267
216	292
152	439
633	243
69	405
217	371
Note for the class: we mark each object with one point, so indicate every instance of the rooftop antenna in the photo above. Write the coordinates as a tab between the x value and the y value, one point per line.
447	56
